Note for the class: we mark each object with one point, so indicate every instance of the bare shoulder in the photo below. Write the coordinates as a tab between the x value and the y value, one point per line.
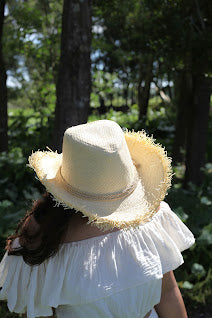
79	229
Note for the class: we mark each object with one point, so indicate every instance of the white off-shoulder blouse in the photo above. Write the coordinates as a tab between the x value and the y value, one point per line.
116	275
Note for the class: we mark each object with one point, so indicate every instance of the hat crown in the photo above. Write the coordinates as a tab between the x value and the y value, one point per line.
96	158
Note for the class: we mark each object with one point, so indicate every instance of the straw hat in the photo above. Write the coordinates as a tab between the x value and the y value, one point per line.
116	179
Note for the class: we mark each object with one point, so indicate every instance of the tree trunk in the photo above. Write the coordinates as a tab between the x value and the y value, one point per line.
144	93
184	95
74	78
110	97
3	88
169	88
102	108
139	91
126	93
197	131
133	99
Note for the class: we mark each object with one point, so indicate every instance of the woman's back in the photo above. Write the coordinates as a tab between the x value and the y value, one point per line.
113	268
112	275
79	229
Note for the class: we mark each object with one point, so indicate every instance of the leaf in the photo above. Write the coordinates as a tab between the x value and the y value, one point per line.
206	236
208	167
12	194
198	270
2	181
187	285
205	200
5	204
28	195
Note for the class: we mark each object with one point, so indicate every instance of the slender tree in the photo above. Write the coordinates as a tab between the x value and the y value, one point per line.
144	91
184	98
74	79
3	88
197	130
194	91
126	44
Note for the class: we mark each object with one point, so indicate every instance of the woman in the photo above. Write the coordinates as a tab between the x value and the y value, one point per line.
110	250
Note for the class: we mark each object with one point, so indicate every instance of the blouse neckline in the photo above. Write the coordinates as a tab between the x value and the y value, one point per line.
111	234
93	238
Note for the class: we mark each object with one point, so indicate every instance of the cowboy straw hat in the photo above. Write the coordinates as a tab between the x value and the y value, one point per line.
116	179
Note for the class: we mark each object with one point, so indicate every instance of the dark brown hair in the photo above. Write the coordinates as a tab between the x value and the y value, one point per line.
41	231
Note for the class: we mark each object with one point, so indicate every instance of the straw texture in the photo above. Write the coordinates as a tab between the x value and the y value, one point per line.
99	159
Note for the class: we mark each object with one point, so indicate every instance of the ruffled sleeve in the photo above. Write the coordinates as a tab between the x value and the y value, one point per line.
89	270
21	285
171	237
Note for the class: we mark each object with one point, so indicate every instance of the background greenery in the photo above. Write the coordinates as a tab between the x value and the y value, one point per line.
167	38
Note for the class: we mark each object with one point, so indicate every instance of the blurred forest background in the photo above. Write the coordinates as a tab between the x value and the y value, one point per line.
142	63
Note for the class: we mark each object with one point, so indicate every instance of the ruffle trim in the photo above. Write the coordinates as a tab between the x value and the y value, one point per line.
85	271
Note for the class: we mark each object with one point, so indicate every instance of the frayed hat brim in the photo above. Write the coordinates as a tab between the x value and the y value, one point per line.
154	170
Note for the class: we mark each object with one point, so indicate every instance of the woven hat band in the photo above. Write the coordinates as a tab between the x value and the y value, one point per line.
100	197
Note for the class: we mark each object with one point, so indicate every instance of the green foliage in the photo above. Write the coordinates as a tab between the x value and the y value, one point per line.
18	186
4	312
206	236
171	31
16	190
194	207
124	120
31	46
35	126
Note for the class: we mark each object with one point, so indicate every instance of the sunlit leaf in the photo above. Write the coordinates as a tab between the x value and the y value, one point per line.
187	285
205	200
206	236
198	270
